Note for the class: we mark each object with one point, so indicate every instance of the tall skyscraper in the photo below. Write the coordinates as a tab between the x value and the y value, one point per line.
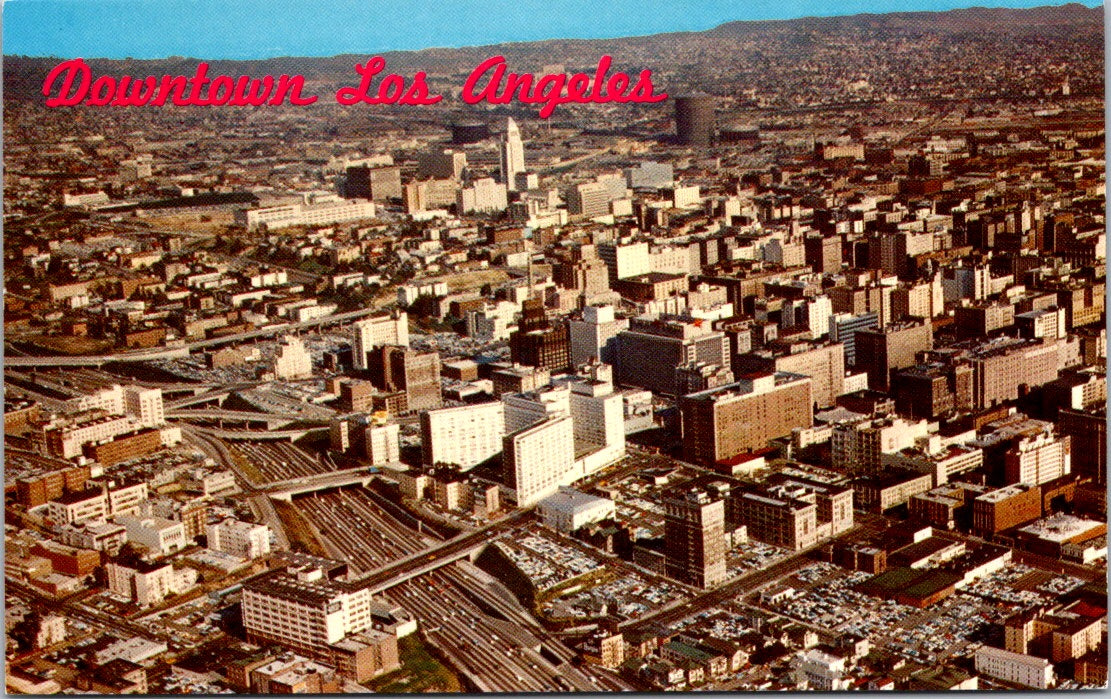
694	537
511	155
694	120
538	342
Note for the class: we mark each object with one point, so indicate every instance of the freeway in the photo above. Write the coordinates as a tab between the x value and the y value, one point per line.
260	503
496	649
390	574
184	350
233	415
262	435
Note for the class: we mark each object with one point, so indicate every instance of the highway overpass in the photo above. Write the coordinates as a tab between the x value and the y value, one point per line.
183	351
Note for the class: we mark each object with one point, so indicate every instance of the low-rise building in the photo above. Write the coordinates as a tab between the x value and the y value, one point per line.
568	510
241	539
1026	670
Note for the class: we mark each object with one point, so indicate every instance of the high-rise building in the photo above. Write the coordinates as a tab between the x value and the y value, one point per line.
429	194
779	519
383	444
511	155
824	364
538	342
532	431
376	332
442	164
823	253
932	390
599	417
722	423
144	404
588	200
894	347
536	460
650	350
484	195
695	122
582	270
998	510
1038	459
376	183
321	618
1088	430
922	300
242	539
528	408
595	335
293	360
464	436
395	368
858	446
694	537
518	378
1007	368
843	327
625	260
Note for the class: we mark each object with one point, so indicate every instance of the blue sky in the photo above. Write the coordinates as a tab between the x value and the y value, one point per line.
213	29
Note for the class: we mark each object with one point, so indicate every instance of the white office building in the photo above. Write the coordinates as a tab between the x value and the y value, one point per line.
816	669
158	535
1018	668
464	436
594	335
148	584
383	444
484	195
511	156
539	459
240	539
1038	459
321	213
293	361
145	404
376	332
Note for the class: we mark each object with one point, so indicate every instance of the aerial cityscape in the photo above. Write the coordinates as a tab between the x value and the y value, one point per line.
792	379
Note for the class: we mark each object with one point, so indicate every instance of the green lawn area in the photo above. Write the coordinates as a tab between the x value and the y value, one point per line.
420	671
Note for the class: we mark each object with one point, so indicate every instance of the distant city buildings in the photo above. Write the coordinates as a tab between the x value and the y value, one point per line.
814	345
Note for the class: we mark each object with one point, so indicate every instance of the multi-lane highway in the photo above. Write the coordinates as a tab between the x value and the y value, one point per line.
451	603
184	350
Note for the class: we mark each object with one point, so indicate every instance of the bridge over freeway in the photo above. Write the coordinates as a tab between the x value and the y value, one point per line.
261	435
417	564
184	350
287	489
275	420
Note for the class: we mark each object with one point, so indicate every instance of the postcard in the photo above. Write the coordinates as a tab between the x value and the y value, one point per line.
527	347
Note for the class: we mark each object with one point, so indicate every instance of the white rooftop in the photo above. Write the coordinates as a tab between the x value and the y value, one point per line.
572	501
1060	528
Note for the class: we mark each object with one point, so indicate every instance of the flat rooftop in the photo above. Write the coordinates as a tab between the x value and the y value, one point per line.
1061	527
